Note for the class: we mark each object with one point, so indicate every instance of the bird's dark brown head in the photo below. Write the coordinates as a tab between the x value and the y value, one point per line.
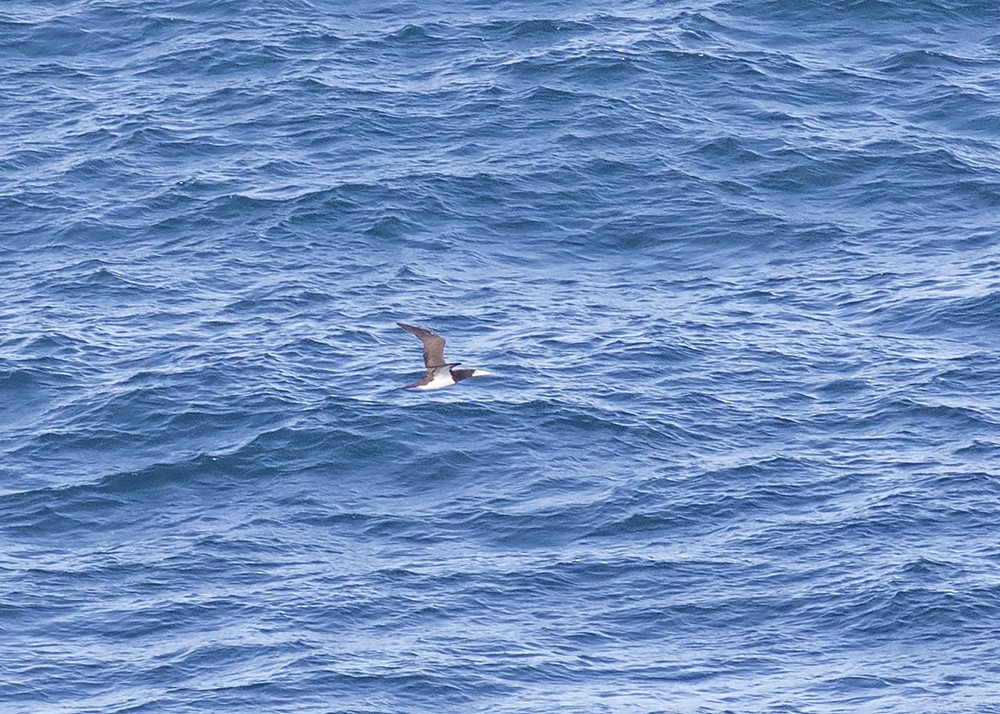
459	374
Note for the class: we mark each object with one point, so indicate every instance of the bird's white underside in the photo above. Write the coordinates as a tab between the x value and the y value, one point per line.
439	381
443	378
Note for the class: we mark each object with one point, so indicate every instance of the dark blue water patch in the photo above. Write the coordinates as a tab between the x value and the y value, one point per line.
919	615
101	497
880	13
912	62
952	315
22	391
35	39
978	449
523	34
16	381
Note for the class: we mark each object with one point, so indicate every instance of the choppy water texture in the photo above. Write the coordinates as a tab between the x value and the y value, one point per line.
735	266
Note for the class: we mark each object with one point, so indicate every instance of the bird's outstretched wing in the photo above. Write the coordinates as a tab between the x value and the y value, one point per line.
433	345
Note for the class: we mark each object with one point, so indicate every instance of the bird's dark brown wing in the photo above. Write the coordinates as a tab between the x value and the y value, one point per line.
433	345
426	379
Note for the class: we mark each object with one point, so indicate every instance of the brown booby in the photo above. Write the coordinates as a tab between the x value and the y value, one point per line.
439	373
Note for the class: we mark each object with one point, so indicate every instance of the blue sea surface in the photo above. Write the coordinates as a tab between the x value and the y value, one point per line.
734	266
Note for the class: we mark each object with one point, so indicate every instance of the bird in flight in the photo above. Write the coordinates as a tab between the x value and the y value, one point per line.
439	373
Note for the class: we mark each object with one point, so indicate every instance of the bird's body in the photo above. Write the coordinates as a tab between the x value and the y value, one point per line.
440	377
440	374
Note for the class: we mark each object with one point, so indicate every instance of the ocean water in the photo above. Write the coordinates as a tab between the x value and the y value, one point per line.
734	266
